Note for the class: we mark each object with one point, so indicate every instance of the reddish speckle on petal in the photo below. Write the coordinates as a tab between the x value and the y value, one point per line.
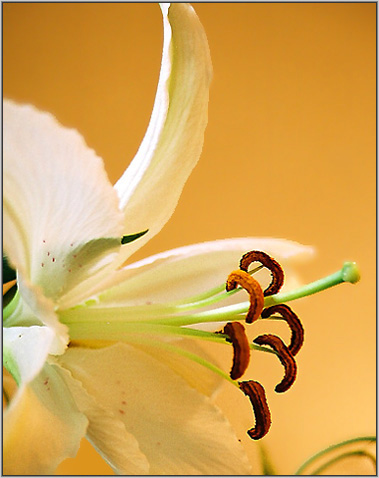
46	381
71	244
42	264
43	240
48	253
74	256
69	270
123	402
122	412
53	259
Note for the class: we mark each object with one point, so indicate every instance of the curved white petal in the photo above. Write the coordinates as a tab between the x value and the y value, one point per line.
107	433
57	197
150	188
189	270
179	430
42	426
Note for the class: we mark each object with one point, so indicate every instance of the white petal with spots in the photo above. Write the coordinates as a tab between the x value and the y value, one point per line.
178	429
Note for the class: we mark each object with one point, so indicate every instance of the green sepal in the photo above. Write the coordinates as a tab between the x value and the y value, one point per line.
8	273
132	237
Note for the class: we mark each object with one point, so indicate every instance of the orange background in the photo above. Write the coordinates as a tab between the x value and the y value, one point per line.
289	152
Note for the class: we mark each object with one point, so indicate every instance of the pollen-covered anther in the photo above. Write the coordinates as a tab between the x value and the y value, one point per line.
274	267
241	348
257	395
297	330
285	357
253	288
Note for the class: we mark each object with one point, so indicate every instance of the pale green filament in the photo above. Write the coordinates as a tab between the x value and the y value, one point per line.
208	297
331	448
115	331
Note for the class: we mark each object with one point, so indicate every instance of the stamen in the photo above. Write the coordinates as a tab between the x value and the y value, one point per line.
254	289
285	357
241	348
274	267
297	330
257	395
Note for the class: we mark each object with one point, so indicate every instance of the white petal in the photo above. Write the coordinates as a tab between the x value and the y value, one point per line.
25	350
42	426
201	378
189	270
150	188
56	197
179	430
107	433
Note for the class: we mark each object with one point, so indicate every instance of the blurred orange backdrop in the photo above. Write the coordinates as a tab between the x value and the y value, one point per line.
289	152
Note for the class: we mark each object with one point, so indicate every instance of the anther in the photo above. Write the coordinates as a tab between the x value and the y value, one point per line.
285	357
252	287
274	267
297	330
257	396
241	348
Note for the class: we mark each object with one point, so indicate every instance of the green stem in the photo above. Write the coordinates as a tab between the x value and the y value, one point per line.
342	456
331	448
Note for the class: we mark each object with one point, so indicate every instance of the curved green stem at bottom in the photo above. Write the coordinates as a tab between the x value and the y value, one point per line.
332	448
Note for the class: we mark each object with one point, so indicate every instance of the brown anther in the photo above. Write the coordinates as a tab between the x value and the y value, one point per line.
253	288
297	330
274	267
285	357
257	395
241	348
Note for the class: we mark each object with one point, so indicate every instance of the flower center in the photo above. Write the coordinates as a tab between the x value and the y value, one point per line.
145	324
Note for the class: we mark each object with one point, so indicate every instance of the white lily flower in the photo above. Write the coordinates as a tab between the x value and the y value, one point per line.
99	351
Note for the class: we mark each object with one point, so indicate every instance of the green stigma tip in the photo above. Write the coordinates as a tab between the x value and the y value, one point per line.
350	272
